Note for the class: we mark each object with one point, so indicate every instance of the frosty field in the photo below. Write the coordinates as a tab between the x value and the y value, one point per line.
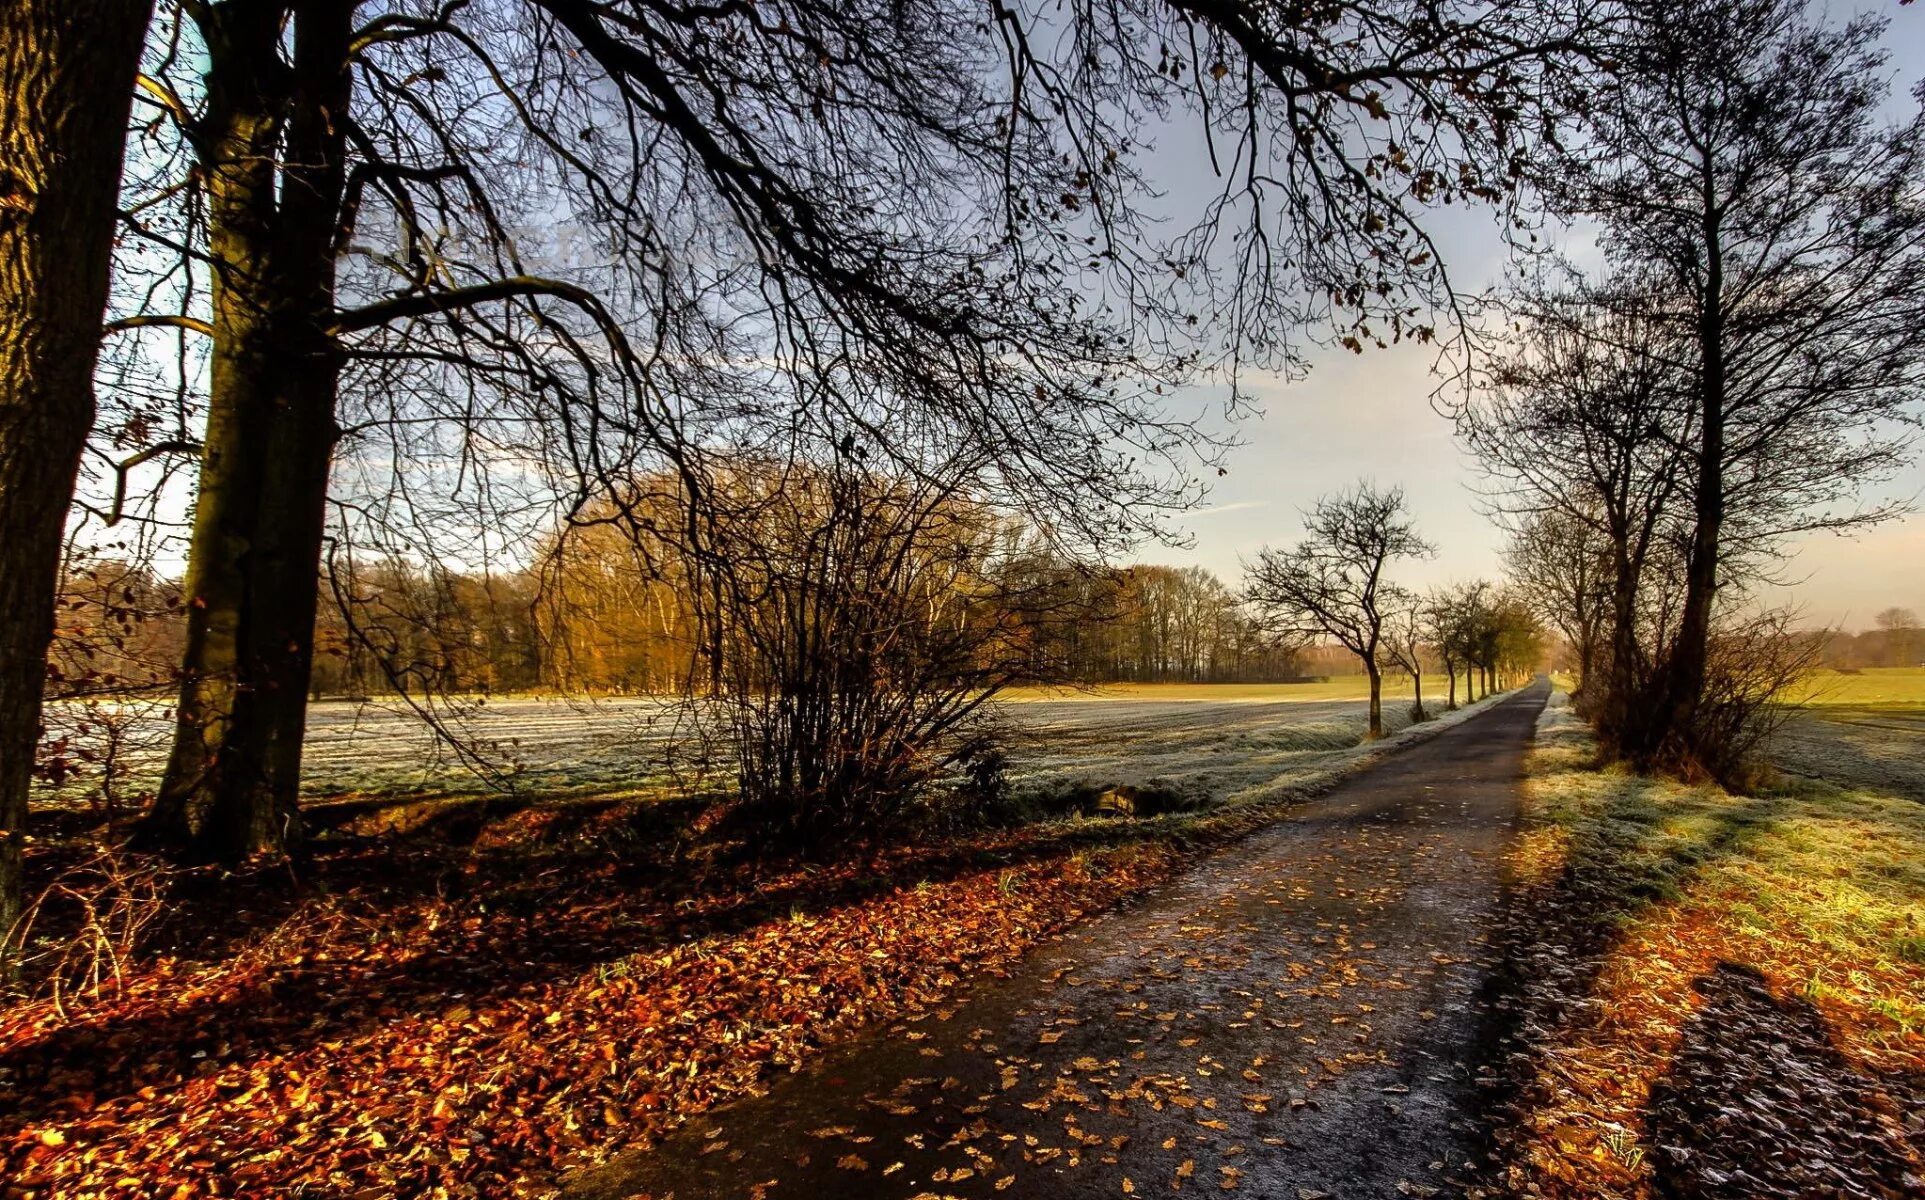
1206	740
1865	729
1202	745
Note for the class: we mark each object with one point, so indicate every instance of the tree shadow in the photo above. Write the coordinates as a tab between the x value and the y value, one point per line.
1757	1101
507	925
1758	1104
1558	935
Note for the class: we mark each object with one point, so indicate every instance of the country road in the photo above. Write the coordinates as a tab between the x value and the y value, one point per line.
1294	1017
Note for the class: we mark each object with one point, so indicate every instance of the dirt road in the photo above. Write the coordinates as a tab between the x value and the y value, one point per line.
1296	1017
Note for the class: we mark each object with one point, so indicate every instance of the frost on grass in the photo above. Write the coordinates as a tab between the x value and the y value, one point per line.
1645	910
1879	749
1207	748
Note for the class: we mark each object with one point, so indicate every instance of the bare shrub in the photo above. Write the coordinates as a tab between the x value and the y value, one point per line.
858	621
1755	662
77	939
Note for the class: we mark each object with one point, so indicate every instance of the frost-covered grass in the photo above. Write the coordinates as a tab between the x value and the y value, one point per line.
1210	744
1863	730
1207	749
1821	886
1877	749
1339	687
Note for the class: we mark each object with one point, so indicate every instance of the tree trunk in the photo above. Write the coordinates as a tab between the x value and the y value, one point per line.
1417	681
1376	729
1450	677
1690	650
233	781
66	82
1617	708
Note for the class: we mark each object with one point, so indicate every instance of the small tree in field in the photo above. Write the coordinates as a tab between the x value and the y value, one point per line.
1331	584
1406	631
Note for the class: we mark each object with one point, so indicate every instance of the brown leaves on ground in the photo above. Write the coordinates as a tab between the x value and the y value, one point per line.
375	1044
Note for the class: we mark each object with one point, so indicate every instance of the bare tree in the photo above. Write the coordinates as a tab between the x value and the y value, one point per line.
1560	568
1406	634
1331	584
1442	609
1743	167
1901	629
66	74
1584	430
1517	644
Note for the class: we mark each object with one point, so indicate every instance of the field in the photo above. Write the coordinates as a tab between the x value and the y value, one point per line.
1863	730
1873	687
1179	734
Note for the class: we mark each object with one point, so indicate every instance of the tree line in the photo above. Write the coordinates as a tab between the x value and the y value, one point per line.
1743	364
1896	639
590	619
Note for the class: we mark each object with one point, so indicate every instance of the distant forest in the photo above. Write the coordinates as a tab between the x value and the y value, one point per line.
1896	639
588	621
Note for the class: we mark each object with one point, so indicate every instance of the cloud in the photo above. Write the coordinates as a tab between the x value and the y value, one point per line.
1214	509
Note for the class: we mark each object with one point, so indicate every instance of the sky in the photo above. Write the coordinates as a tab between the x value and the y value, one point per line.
1370	417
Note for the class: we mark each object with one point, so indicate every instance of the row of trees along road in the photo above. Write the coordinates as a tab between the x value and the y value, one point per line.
1334	584
430	276
1746	361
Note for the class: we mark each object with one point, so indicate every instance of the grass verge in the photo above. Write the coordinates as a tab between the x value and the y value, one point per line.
1720	995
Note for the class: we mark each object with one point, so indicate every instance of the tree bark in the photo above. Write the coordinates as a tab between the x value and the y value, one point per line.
1690	651
1617	708
1376	700
232	785
66	84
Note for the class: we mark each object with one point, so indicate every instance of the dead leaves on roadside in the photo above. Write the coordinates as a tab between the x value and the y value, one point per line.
477	1050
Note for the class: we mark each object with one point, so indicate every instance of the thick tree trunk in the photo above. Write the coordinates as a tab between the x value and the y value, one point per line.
1376	729
66	82
1690	651
1583	695
1417	682
233	781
